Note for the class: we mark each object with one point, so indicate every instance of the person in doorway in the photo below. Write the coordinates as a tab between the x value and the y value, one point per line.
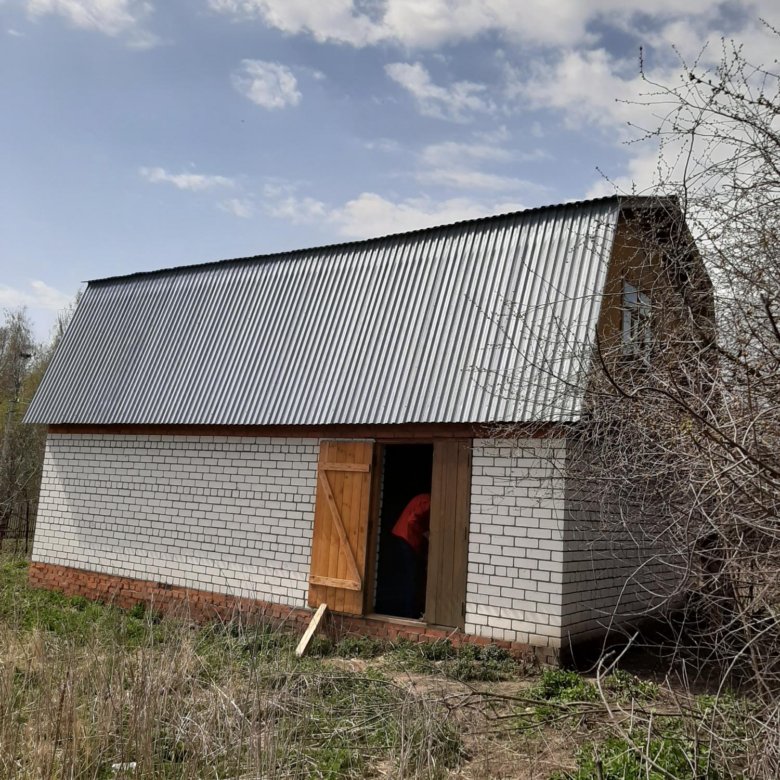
411	531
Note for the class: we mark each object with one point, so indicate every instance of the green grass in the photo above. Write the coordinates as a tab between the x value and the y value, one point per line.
658	758
467	663
626	687
85	686
73	618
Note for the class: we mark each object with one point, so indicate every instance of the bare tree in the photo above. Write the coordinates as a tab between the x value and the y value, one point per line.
22	364
680	459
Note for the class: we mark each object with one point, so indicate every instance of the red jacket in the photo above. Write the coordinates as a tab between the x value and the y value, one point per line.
412	526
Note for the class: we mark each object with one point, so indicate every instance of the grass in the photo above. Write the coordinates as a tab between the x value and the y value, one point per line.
92	691
467	663
95	692
639	758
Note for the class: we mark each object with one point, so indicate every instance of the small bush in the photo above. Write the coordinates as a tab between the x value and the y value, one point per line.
441	650
266	641
562	686
628	687
480	664
137	611
320	647
465	663
659	759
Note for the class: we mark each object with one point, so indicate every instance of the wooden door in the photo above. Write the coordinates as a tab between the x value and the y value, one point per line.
338	552
445	602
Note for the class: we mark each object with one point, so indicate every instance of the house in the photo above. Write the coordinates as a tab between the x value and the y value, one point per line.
248	432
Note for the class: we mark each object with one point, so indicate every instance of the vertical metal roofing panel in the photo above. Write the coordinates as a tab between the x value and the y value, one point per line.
481	321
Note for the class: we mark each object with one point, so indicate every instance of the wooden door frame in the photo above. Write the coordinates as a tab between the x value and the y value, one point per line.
377	475
374	521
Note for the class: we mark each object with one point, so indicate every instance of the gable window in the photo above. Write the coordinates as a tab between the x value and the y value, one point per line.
637	335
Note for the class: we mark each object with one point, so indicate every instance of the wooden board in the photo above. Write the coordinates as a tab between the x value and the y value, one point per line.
377	477
338	555
310	629
448	545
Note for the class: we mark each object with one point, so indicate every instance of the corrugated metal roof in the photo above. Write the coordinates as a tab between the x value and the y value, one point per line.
481	321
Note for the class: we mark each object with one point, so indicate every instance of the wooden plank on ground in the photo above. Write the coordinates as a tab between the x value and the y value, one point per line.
309	633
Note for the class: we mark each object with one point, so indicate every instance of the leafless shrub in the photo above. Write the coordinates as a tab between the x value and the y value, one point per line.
679	457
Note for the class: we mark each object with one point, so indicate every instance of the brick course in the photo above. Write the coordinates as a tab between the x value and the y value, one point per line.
202	606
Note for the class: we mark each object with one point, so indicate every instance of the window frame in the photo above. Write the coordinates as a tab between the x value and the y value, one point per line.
636	326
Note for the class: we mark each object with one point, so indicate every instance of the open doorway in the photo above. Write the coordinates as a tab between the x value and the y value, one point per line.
402	554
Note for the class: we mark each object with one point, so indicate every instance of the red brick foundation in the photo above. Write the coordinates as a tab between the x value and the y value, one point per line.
203	606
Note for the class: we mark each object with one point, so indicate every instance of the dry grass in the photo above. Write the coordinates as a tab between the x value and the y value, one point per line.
91	691
88	691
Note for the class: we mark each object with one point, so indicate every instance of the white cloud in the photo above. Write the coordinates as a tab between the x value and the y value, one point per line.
370	214
195	182
39	296
386	145
268	84
461	165
593	88
238	207
324	20
586	86
455	102
110	17
435	23
298	210
470	179
448	153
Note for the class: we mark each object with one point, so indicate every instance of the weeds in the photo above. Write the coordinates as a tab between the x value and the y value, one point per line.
338	723
359	647
627	687
467	663
91	691
562	686
660	758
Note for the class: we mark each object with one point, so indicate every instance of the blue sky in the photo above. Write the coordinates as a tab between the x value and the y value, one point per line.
139	134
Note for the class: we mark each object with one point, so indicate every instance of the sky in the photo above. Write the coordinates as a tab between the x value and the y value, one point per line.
144	134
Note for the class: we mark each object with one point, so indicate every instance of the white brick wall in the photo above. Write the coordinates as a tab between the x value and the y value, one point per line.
515	560
227	514
235	515
616	565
